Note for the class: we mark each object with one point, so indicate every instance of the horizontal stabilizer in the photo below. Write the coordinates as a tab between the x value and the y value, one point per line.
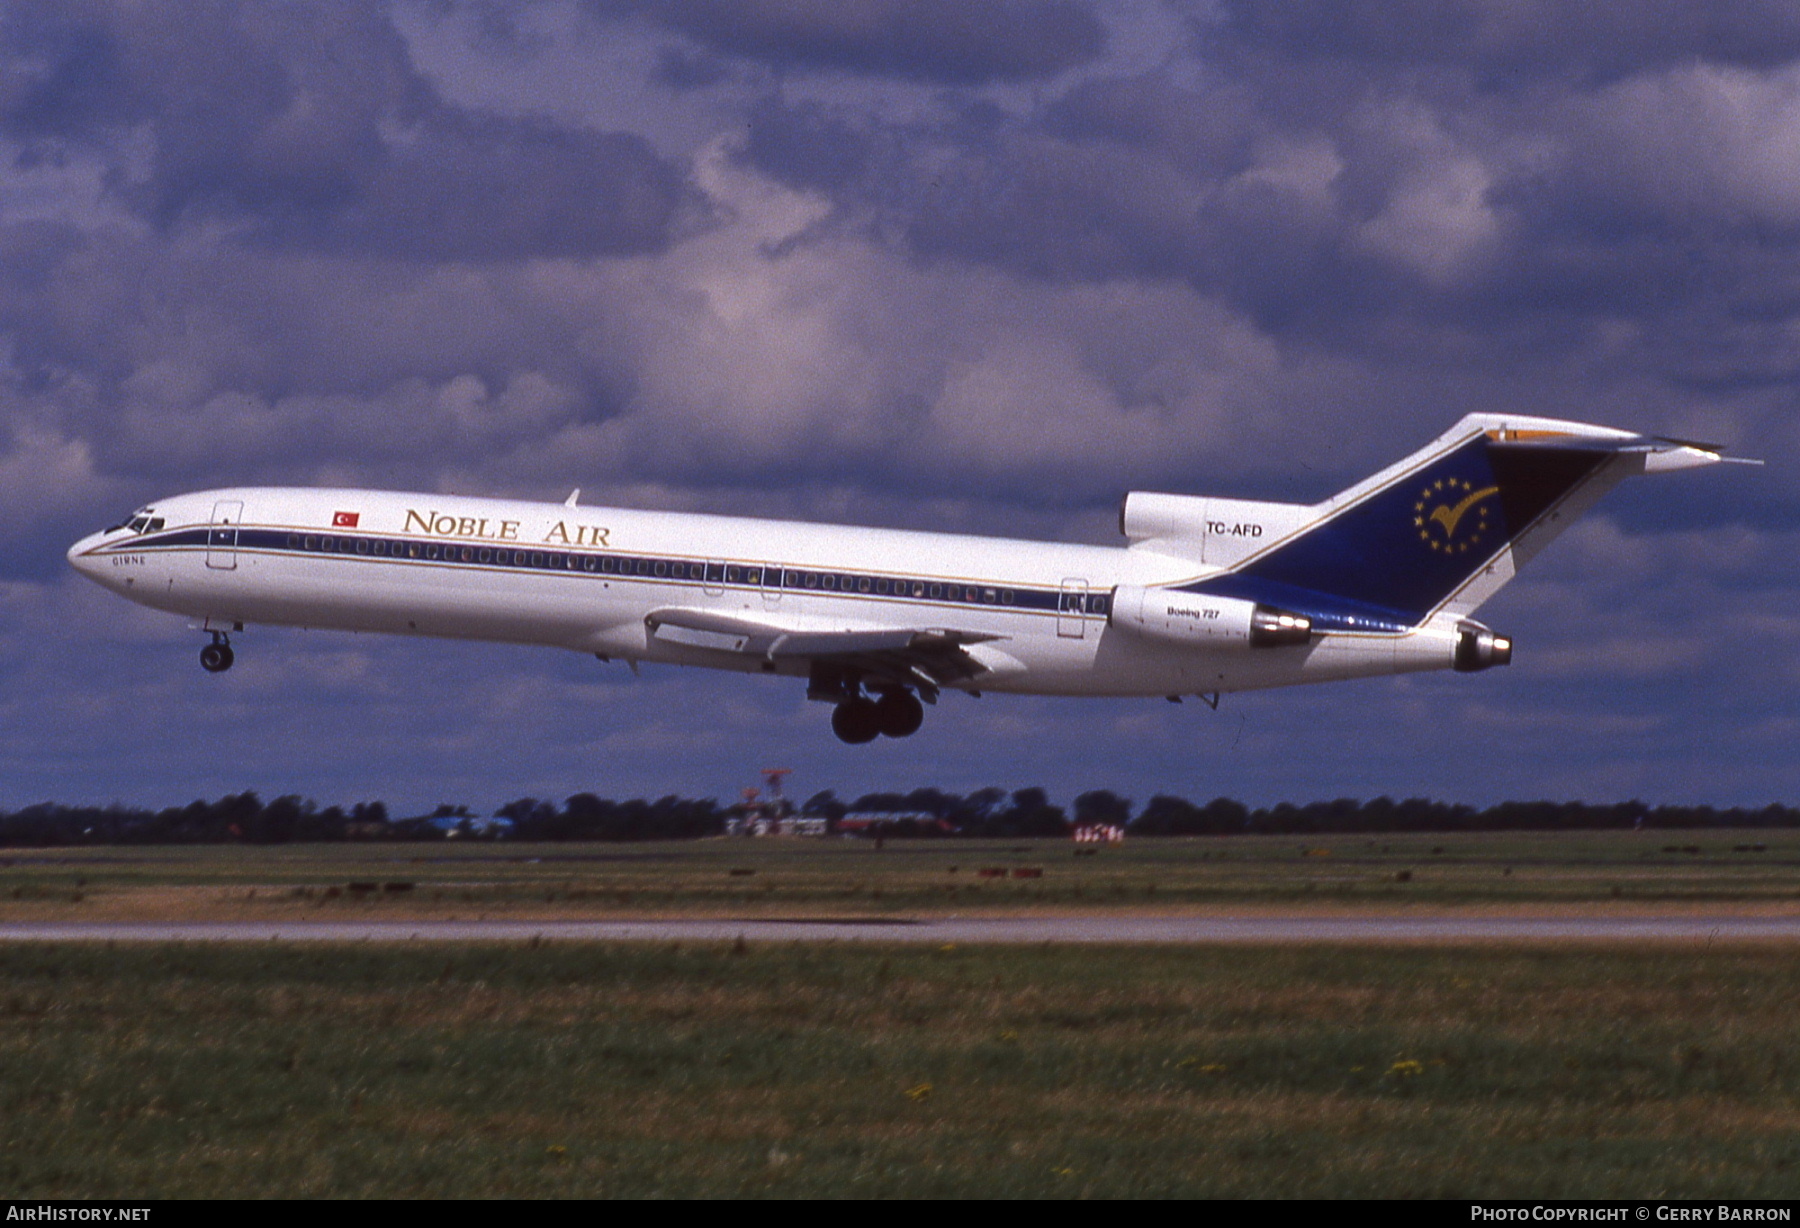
1662	453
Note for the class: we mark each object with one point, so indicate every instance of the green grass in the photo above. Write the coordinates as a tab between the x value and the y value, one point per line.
637	1070
841	877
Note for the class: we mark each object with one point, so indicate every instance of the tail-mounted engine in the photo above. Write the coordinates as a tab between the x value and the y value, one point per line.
1478	648
1201	621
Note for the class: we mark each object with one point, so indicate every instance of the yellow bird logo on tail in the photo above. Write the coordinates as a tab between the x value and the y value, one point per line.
1450	512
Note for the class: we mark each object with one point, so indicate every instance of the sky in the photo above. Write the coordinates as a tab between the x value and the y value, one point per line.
967	265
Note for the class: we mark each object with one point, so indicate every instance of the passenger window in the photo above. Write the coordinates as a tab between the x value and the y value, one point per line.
731	575
662	568
862	585
829	582
362	545
918	588
1006	596
937	590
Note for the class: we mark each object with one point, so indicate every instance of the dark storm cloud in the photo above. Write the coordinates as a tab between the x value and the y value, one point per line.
1123	179
681	70
308	126
1494	40
955	42
949	265
1322	197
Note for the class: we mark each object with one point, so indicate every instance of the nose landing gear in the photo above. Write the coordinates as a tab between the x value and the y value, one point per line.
217	656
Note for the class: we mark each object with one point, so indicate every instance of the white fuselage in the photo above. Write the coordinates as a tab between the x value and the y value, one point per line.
590	579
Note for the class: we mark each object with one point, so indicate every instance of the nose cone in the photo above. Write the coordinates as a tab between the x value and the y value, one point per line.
83	559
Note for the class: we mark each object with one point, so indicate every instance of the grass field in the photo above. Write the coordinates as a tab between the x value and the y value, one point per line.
1603	870
795	1070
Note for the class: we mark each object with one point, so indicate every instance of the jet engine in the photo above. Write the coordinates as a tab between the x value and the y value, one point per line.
1478	648
1214	622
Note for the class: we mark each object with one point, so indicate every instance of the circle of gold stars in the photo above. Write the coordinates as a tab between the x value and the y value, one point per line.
1461	530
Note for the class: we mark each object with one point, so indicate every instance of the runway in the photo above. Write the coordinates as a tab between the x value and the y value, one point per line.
1126	930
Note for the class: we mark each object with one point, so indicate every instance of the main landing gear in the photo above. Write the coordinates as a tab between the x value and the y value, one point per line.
857	719
893	710
897	714
217	657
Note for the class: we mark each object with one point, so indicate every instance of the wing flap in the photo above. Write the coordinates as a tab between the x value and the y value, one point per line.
914	656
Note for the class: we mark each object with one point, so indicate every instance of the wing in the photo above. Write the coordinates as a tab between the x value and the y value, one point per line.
922	657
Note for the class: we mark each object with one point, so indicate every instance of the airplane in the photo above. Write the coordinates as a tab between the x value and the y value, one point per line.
1207	596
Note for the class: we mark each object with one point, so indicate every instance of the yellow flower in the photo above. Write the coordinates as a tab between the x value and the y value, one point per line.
1407	1068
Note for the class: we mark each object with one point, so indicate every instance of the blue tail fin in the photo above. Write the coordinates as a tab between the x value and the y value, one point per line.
1445	527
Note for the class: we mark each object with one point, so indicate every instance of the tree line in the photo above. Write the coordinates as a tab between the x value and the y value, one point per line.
922	813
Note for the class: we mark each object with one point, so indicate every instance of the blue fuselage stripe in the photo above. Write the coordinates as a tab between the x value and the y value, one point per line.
739	576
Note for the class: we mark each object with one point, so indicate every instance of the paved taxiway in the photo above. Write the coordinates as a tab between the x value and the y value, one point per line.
1014	930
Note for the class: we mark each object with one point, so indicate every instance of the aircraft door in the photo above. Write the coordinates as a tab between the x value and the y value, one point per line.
222	536
1069	622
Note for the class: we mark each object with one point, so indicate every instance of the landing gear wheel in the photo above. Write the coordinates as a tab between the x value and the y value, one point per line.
216	658
899	714
856	721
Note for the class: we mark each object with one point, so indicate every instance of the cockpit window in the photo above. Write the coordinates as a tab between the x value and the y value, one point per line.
140	521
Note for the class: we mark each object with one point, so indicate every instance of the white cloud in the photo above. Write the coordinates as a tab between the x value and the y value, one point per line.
1702	136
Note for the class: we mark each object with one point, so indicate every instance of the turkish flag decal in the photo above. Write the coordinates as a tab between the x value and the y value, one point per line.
345	520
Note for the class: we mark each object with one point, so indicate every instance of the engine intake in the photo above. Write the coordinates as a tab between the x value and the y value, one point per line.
1214	622
1478	648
